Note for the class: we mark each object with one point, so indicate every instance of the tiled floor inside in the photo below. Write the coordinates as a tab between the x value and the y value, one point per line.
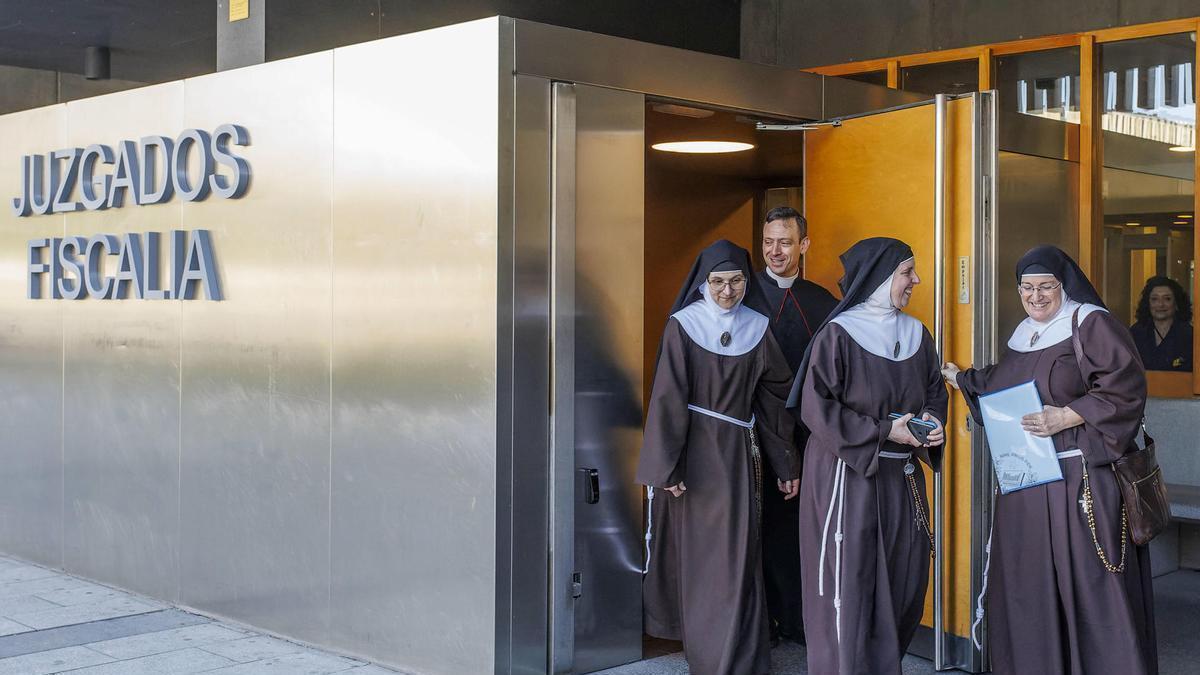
54	623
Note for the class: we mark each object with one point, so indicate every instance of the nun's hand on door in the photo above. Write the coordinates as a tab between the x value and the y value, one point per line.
677	490
950	372
938	435
900	433
789	488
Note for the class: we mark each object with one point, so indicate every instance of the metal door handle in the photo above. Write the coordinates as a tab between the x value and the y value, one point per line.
591	485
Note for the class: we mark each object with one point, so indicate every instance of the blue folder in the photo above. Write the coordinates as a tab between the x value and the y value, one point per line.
1021	459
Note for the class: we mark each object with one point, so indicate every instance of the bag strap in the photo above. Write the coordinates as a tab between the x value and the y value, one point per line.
1075	337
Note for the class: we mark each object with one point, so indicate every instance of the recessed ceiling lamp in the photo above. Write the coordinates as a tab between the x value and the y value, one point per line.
1181	222
1182	148
703	147
1184	215
1133	224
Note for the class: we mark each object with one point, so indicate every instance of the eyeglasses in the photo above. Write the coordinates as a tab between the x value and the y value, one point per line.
1028	289
718	284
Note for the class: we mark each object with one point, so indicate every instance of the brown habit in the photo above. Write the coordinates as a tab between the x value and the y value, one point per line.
1052	607
846	397
704	585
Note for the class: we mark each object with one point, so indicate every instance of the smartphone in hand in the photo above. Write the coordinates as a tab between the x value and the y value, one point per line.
919	428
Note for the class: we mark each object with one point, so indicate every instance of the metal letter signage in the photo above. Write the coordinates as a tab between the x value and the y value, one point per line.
49	181
152	170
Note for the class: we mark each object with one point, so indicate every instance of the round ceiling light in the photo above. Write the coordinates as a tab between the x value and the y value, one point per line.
1182	148
703	147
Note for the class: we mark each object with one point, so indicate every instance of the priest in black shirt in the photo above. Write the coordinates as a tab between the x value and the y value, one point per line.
798	307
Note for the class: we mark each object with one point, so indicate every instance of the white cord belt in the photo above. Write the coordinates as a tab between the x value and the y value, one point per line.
838	501
723	418
650	489
987	563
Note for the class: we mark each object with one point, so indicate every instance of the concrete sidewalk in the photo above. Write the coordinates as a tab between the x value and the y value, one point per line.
51	622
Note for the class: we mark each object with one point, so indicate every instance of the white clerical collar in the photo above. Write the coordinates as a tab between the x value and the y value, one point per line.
784	282
879	327
729	332
1033	336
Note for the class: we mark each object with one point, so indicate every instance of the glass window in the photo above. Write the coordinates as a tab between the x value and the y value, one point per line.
953	77
878	77
1149	121
1045	83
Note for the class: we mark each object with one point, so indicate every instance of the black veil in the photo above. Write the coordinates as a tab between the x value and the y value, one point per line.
867	264
718	252
1048	259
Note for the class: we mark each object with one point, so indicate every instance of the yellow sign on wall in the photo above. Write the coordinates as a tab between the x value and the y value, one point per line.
239	9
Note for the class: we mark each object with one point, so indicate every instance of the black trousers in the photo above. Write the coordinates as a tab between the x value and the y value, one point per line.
781	557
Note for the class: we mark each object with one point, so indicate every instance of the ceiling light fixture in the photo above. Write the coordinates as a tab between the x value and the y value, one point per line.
1182	148
703	147
1184	215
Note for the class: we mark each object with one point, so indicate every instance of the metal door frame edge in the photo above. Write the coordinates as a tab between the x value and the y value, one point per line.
562	381
984	345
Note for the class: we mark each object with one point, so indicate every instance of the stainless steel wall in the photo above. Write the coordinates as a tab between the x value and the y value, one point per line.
314	455
31	362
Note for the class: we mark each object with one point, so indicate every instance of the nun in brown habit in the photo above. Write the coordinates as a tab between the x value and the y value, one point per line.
716	414
865	539
1054	604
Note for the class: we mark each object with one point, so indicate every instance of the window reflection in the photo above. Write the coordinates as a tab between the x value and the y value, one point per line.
1149	123
1043	84
1162	329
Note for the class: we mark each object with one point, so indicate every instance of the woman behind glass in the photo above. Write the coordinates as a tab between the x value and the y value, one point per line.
1069	592
1163	330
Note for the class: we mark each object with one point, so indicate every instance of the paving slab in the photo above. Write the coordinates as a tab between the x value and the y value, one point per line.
96	611
179	662
145	644
9	627
24	573
41	585
254	648
97	631
83	594
24	604
304	663
53	661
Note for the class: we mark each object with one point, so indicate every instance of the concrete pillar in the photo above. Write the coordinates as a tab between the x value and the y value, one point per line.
242	41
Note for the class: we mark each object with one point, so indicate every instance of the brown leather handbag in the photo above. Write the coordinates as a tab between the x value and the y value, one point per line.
1139	477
